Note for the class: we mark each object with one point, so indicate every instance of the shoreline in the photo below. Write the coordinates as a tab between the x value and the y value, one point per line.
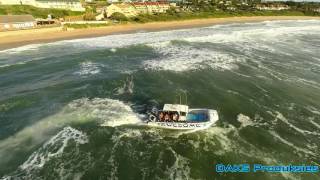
13	39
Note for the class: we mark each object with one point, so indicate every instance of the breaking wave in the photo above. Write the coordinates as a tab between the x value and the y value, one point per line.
53	148
231	33
106	112
185	58
56	143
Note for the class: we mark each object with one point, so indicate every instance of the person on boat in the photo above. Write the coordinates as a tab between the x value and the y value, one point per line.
161	116
167	117
175	117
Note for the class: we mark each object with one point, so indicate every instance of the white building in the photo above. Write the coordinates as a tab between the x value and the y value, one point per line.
73	5
151	7
16	2
16	22
133	9
317	10
124	8
272	7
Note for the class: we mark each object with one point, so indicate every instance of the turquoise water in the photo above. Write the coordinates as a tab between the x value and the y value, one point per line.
72	109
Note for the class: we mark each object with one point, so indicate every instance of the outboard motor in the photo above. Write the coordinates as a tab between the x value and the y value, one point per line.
152	115
154	111
152	118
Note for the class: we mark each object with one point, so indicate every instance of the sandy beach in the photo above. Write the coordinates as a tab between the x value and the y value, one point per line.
14	39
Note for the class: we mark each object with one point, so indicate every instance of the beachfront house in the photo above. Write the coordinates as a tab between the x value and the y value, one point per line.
272	7
151	7
16	2
17	22
135	8
72	5
124	8
141	7
316	10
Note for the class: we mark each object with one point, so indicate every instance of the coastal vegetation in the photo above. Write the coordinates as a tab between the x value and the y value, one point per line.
119	17
143	18
193	9
190	9
83	26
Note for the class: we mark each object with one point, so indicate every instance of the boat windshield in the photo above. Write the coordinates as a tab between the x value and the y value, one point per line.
198	116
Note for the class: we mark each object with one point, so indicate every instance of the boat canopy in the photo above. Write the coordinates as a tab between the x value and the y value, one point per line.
175	107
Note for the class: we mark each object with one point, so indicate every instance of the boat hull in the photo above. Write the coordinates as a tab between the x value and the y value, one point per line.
213	118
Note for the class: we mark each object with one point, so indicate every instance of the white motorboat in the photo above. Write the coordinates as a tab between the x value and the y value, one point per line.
178	116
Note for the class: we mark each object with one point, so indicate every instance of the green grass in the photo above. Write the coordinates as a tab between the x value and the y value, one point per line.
36	12
83	26
143	18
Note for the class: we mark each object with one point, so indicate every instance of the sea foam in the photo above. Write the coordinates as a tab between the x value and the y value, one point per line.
106	112
58	143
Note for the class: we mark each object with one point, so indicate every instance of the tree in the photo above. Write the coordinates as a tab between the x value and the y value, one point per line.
89	16
118	16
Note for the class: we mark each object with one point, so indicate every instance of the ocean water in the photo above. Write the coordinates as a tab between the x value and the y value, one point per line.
73	109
